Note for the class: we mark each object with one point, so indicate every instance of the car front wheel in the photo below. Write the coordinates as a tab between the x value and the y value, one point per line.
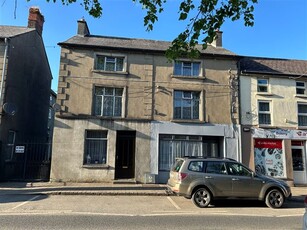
201	198
274	198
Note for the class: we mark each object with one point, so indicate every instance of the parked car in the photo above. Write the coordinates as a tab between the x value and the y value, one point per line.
206	179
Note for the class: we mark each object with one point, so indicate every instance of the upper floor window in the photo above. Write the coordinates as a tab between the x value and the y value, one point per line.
185	68
186	105
264	113
262	85
108	101
108	63
300	88
302	114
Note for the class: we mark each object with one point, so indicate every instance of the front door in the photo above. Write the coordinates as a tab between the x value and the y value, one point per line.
299	164
125	147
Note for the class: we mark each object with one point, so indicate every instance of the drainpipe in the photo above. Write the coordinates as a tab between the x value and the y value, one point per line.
4	68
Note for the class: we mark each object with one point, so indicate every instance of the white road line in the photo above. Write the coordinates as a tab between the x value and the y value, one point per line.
173	203
23	203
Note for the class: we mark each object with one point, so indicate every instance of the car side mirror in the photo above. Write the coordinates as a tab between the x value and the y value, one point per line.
253	174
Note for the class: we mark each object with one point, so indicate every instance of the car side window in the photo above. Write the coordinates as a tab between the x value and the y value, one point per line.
196	166
238	169
216	167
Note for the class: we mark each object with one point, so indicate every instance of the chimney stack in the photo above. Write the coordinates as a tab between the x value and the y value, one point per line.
36	20
218	40
83	28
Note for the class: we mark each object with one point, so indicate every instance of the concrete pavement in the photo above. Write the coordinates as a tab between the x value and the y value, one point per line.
103	189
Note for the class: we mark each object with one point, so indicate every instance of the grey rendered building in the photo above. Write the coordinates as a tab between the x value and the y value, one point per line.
24	100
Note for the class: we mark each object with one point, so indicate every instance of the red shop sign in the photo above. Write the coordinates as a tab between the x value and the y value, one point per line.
268	144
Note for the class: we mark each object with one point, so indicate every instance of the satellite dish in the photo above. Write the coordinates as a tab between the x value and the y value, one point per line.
56	107
10	108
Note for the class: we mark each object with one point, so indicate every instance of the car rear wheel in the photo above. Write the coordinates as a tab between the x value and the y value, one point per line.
201	198
274	198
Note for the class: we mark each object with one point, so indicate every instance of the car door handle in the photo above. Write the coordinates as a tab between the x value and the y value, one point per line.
235	179
208	177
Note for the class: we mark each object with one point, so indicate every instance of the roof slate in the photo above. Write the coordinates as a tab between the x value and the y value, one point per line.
12	31
134	44
273	66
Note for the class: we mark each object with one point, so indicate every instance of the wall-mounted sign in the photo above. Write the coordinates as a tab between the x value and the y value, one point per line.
19	149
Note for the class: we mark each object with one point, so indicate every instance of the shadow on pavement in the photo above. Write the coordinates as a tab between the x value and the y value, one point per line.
21	198
241	203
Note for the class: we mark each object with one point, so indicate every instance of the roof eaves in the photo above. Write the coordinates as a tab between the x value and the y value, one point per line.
269	73
68	44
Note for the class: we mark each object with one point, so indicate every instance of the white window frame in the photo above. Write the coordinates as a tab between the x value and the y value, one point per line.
114	96
300	87
265	113
187	98
111	55
263	85
88	160
301	114
191	62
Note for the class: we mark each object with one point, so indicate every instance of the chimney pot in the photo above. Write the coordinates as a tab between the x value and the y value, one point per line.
36	20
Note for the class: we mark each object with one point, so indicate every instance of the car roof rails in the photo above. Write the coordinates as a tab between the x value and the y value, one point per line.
209	157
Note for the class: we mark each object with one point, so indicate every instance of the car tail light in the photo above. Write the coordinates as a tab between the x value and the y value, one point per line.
182	176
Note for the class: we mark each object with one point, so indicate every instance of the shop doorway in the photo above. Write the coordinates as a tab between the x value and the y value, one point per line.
299	162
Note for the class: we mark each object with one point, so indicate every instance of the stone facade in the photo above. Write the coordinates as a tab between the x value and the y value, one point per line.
148	82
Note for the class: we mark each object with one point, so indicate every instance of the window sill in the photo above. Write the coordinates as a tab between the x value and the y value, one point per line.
186	121
96	166
110	72
188	77
300	96
265	94
265	126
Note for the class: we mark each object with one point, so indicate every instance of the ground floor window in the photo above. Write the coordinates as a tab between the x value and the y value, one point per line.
95	147
269	157
173	146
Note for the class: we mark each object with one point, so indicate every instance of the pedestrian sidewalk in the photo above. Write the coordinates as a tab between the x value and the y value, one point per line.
63	188
103	189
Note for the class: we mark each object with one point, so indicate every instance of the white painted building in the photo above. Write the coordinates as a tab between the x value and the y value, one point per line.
273	103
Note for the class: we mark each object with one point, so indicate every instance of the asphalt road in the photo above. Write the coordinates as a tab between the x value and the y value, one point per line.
141	212
77	221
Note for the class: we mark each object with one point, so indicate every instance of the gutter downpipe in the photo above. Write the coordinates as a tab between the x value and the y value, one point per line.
4	68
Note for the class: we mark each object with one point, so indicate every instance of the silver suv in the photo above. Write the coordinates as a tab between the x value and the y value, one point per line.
205	179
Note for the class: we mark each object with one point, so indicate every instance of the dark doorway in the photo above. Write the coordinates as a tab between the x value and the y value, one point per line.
125	147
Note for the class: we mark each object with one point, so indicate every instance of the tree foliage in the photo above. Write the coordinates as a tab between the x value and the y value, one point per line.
203	18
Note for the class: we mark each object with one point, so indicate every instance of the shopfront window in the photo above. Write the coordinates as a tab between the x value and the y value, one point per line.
174	146
269	157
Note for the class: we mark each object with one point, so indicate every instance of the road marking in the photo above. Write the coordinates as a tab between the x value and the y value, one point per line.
23	203
173	203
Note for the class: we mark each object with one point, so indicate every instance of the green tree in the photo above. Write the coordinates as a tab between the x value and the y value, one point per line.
203	18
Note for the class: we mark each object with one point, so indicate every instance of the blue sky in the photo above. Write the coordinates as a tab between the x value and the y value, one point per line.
280	29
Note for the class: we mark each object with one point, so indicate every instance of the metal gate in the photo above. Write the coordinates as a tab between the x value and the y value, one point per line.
28	161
